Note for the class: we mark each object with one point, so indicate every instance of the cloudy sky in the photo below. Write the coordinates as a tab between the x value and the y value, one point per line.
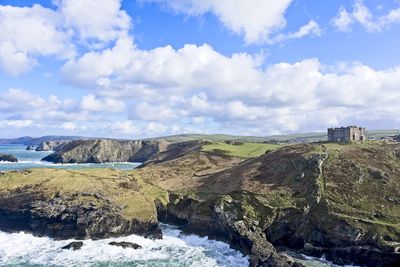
140	68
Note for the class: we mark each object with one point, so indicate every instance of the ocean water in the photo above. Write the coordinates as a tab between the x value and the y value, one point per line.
174	250
32	159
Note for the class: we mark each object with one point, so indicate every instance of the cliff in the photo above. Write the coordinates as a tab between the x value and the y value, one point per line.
106	150
340	200
51	145
67	204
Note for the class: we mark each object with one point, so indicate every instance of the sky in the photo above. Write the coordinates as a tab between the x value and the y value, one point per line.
144	68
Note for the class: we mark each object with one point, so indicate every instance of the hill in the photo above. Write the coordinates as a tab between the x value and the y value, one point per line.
35	141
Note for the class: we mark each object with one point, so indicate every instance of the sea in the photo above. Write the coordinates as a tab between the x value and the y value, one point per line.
176	249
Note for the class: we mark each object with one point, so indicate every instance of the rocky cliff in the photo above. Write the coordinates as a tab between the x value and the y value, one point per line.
340	200
8	157
51	145
78	204
106	150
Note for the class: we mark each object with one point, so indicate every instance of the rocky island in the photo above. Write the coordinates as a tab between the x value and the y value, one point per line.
337	199
8	157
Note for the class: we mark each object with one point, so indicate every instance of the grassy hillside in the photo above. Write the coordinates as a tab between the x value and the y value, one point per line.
121	188
245	150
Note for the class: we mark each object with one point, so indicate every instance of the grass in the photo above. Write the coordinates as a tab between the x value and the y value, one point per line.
245	150
124	189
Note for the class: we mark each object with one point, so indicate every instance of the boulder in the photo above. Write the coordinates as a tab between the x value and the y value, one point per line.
8	157
125	245
76	245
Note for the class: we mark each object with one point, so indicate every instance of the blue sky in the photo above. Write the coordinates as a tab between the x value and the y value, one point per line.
154	67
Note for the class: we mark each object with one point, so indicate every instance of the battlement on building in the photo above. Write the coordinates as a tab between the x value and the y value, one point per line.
349	133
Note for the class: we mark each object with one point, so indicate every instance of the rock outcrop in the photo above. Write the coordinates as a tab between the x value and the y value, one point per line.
30	147
125	244
76	245
69	204
51	145
8	157
106	150
340	200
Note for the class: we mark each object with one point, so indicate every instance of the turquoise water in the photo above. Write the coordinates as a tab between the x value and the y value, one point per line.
28	159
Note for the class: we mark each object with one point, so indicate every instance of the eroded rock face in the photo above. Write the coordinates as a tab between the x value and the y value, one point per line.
78	216
103	150
224	219
66	204
8	157
51	145
341	199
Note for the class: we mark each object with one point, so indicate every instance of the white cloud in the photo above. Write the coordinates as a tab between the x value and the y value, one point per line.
255	20
343	20
311	28
69	126
95	21
198	82
28	33
93	103
128	69
16	123
126	128
157	112
19	43
155	128
363	16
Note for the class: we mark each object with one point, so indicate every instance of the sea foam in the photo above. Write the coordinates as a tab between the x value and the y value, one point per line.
175	249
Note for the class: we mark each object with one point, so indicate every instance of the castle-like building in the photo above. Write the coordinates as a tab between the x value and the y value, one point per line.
350	133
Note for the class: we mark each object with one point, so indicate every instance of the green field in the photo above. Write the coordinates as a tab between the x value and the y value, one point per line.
245	150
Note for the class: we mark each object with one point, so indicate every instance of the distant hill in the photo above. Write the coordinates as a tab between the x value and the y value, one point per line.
35	141
289	138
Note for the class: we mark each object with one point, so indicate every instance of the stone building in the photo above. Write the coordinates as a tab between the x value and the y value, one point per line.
350	133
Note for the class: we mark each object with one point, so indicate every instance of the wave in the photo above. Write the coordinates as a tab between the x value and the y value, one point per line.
175	249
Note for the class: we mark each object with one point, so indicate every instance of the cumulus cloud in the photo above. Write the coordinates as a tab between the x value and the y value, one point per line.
96	21
28	33
131	91
255	20
68	126
362	15
19	42
198	82
126	128
94	103
16	123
